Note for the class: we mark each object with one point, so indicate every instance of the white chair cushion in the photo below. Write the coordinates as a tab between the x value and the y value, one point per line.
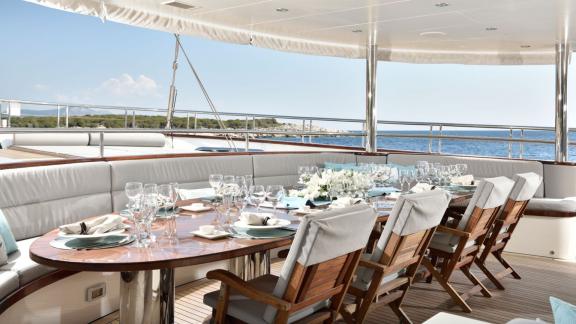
490	193
525	186
445	242
324	236
8	283
250	311
21	264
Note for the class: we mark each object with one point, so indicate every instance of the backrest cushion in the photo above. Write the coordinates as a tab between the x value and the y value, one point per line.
189	172
324	236
282	169
129	139
479	167
411	213
490	193
51	139
525	186
38	199
8	240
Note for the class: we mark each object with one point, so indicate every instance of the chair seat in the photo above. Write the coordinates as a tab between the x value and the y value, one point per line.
443	242
251	311
20	263
8	283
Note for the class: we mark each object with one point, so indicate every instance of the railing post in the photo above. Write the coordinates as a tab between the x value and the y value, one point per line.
125	118
431	133
67	115
371	108
9	122
561	116
58	116
364	137
440	140
187	120
195	121
101	144
522	143
303	130
247	136
133	118
253	122
510	135
310	135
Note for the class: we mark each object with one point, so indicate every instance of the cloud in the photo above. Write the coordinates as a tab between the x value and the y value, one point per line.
40	87
121	90
126	85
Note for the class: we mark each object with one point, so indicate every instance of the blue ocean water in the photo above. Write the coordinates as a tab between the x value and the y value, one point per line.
534	151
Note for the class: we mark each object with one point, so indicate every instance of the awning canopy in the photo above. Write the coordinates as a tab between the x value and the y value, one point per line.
416	31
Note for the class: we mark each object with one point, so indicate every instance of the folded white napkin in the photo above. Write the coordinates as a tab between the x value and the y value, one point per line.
343	202
250	218
464	180
97	225
186	194
421	187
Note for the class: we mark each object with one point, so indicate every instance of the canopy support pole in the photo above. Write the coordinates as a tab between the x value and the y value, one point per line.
173	91
561	116
371	145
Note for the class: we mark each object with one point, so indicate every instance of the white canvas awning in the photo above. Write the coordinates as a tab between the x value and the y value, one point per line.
416	31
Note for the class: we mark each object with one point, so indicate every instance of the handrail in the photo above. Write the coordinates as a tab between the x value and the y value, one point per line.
434	130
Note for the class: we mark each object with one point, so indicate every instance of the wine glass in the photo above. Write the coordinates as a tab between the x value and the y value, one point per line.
274	194
462	168
215	181
133	190
150	189
249	180
257	195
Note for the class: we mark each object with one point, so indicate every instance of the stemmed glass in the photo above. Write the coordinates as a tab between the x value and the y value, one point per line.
274	194
167	196
215	181
133	191
462	168
257	195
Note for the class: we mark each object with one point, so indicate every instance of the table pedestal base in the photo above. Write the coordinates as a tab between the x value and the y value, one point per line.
250	266
147	297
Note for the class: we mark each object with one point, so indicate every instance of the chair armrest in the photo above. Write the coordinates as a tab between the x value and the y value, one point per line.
453	231
247	290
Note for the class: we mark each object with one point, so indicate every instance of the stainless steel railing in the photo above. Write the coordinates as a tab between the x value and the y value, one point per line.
436	131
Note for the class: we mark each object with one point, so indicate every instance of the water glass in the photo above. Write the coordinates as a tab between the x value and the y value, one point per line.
150	189
215	181
144	219
462	168
133	190
274	194
257	195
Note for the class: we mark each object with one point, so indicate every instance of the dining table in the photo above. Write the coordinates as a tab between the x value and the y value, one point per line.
147	289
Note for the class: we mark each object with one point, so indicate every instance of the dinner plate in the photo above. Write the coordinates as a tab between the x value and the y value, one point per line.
281	223
95	236
196	209
213	236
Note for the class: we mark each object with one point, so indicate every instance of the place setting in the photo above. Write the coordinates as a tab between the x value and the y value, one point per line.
102	232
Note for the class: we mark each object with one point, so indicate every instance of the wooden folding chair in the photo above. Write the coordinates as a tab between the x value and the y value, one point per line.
525	186
314	278
386	274
456	248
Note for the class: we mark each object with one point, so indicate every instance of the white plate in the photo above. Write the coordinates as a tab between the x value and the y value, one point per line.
281	223
196	209
215	235
94	236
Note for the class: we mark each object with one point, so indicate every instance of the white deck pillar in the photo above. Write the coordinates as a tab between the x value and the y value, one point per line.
371	110
561	116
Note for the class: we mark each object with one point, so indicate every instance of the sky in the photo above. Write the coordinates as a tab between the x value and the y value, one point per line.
51	55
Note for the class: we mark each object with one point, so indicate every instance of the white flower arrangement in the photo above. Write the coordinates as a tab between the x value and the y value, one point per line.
329	183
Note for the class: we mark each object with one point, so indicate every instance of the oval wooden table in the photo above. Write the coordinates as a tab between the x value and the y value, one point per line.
147	274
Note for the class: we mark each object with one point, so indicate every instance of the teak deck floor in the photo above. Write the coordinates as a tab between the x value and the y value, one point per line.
526	298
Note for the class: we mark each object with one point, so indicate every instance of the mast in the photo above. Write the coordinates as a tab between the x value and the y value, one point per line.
173	91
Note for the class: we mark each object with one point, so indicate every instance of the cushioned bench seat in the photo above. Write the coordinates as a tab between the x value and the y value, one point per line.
8	283
20	263
566	205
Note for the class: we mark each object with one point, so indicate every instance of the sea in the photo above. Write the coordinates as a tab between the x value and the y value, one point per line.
532	151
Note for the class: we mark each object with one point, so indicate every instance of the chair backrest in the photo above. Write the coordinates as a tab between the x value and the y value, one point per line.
323	257
486	202
525	187
408	230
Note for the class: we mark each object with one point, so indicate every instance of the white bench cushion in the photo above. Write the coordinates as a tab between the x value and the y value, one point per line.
8	283
563	205
282	169
189	172
21	264
479	167
38	199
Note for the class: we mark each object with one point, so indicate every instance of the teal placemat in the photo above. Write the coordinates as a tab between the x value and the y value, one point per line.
262	234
